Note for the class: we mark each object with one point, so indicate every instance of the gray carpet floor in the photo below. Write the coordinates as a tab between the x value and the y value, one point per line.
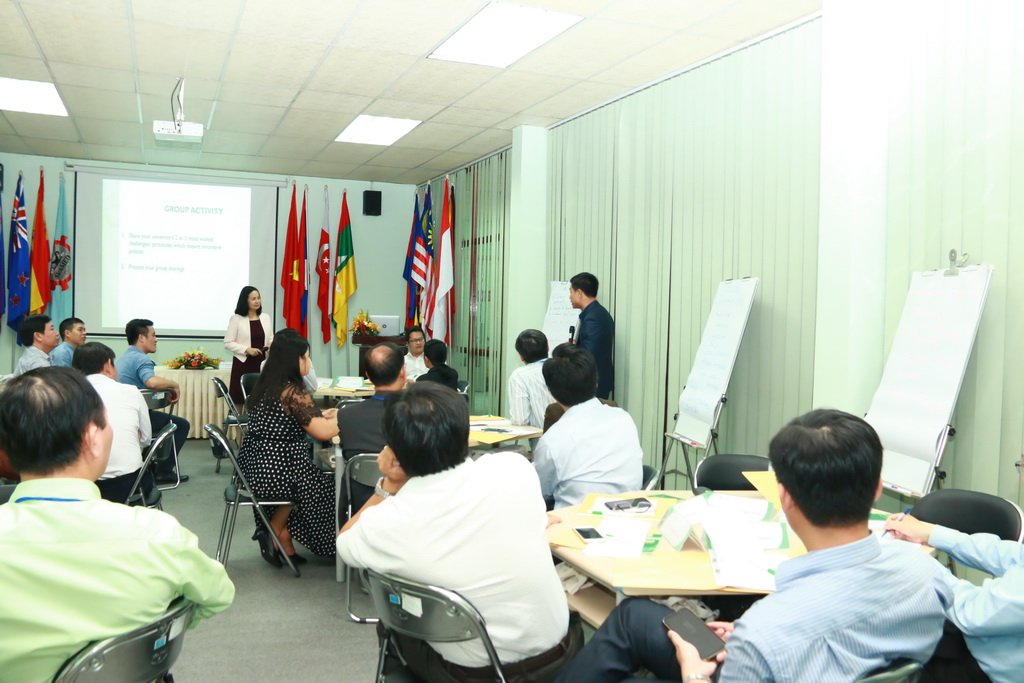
280	628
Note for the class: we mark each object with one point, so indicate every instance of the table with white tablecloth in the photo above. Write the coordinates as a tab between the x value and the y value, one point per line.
200	403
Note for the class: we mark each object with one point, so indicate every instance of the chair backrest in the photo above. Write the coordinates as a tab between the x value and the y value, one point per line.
900	671
222	390
428	613
361	469
724	471
157	398
248	381
6	491
463	386
151	454
972	512
650	477
228	445
144	654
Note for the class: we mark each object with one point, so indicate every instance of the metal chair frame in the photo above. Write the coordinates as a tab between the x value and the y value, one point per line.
136	496
902	670
239	494
146	653
363	469
247	382
233	418
441	616
157	399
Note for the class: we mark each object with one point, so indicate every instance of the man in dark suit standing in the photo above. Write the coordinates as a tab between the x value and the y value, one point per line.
595	330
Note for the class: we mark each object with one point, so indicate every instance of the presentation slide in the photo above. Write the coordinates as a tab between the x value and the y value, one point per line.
173	238
175	249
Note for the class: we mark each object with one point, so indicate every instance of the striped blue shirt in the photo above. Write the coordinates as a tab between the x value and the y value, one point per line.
840	613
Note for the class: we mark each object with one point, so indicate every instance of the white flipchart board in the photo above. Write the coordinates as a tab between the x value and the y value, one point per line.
701	398
559	316
914	403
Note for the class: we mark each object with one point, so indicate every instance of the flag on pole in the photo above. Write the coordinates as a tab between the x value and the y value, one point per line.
40	257
303	266
3	274
415	265
323	271
289	274
439	307
19	269
345	283
60	262
427	228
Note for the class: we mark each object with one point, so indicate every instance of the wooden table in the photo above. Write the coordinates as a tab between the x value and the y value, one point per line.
199	402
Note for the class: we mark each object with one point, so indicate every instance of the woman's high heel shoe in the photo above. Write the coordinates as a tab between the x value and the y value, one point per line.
267	548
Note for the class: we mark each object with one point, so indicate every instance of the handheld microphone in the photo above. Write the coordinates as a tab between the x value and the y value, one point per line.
572	332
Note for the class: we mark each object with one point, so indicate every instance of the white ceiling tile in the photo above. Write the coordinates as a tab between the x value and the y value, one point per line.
404	157
25	69
747	20
5	127
589	47
232	142
380	174
102	7
43	126
677	14
246	118
272	62
292	148
169	157
268	95
461	116
181	52
312	21
162	85
447	161
276	165
121	80
402	109
486	142
359	73
349	153
315	125
513	91
202	14
87	39
226	162
55	148
440	82
17	39
110	133
415	176
575	99
406	26
336	103
650	64
12	144
437	136
158	108
132	155
91	103
527	120
328	169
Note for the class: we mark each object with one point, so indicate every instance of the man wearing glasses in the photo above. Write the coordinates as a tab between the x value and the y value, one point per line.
415	364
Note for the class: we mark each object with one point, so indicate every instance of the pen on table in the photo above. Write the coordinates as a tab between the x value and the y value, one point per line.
905	513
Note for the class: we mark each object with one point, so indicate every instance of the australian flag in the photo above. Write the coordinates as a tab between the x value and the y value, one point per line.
19	271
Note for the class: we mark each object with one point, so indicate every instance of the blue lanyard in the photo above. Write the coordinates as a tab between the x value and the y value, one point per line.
61	500
378	398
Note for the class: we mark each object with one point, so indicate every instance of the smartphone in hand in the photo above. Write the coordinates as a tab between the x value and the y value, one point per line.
693	630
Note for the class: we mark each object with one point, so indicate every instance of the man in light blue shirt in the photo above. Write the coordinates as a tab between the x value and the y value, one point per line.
72	334
593	448
849	606
990	616
37	335
528	394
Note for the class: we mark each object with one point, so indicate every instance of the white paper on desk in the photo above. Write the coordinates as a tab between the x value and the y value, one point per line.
752	570
624	537
739	509
351	383
489	423
736	538
681	522
619	528
507	429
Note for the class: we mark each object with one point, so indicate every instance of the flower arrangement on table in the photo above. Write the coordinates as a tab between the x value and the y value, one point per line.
361	325
193	360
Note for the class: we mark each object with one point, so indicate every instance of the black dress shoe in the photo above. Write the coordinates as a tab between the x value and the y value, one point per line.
170	478
297	559
267	548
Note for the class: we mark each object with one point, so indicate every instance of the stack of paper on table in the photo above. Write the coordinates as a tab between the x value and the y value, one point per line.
349	383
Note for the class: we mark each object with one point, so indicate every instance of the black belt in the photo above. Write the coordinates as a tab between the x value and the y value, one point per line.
467	674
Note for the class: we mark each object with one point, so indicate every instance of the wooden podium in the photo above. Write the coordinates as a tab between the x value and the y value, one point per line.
366	342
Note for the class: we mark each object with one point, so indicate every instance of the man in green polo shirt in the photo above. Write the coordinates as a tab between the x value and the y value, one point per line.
75	568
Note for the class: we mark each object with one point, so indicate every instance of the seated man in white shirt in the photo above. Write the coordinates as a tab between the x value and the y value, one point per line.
593	448
128	416
528	394
415	361
476	527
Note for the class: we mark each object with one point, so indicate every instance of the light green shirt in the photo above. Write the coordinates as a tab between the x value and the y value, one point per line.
81	569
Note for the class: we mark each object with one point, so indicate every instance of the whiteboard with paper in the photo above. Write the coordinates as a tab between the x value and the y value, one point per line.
709	377
560	315
917	394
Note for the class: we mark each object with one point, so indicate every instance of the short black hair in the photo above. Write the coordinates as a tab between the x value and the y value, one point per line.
384	366
242	307
830	463
427	426
31	324
571	374
90	357
136	327
586	283
43	414
532	345
66	324
414	328
437	351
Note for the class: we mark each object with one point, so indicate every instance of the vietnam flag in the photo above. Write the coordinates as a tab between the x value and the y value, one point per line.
302	259
345	284
290	282
40	258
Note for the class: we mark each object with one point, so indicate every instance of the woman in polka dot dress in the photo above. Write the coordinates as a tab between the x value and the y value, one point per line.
275	454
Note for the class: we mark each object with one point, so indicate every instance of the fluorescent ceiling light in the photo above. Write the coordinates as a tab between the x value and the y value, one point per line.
376	130
501	34
32	97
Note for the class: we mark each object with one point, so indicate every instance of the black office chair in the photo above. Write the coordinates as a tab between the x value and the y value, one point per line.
6	491
233	420
724	472
902	670
143	654
153	499
360	469
972	512
650	477
158	399
248	381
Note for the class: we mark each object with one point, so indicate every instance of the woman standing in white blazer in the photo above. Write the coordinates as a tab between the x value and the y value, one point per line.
248	336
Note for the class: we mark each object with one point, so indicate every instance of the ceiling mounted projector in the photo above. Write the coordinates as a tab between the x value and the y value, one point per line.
169	131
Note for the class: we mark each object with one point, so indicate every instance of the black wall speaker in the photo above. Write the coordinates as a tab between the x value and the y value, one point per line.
371	202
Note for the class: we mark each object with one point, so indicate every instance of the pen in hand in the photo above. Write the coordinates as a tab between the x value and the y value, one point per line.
905	513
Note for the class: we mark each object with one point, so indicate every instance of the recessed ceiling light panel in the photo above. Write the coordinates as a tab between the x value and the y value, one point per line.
31	97
376	130
502	33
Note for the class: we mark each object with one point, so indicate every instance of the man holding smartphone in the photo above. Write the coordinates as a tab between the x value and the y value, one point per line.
849	606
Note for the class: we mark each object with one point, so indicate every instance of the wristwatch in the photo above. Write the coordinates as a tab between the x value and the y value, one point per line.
379	489
695	677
